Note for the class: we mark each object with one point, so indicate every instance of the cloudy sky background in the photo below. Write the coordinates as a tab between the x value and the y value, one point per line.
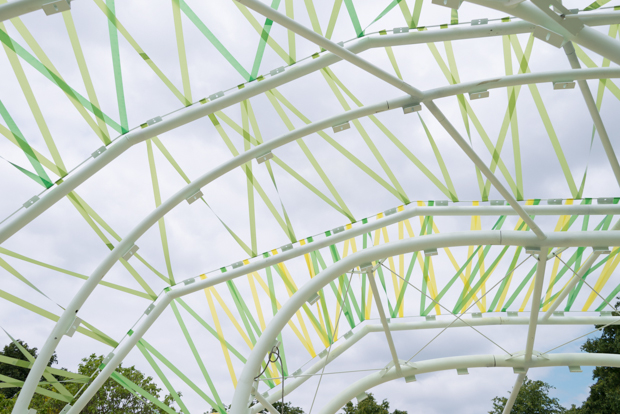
122	193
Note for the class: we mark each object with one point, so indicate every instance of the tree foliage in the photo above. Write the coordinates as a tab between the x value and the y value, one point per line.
533	398
605	392
370	406
112	398
12	351
288	408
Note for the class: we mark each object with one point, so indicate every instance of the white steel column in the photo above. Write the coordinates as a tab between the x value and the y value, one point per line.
596	116
531	332
514	393
483	168
384	323
327	44
536	296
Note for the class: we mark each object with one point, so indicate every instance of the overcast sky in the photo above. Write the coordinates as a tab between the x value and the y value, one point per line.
122	194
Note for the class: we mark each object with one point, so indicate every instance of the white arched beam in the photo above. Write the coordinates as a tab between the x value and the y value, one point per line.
295	381
470	361
87	288
252	366
262	347
186	115
327	44
575	30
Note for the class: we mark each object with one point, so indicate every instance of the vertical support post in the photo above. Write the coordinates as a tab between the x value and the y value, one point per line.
386	329
513	394
536	296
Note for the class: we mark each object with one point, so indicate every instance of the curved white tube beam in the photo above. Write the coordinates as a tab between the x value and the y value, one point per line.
570	30
196	111
76	303
294	382
513	238
483	168
521	79
327	44
288	310
180	290
470	361
91	283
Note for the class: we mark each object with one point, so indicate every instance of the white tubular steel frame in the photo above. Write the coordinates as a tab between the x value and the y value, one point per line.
24	216
264	344
460	362
532	15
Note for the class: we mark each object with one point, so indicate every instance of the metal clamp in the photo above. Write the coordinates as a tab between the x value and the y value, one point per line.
31	201
216	95
412	108
74	326
314	299
264	157
130	252
564	85
276	71
341	127
478	95
548	36
194	197
98	152
56	7
154	120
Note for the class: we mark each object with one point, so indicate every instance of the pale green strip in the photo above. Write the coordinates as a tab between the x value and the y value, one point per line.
164	379
34	107
47	69
197	357
112	18
178	373
162	224
250	178
333	18
118	74
46	314
316	26
133	388
290	13
369	142
345	152
81	61
178	31
390	54
272	95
